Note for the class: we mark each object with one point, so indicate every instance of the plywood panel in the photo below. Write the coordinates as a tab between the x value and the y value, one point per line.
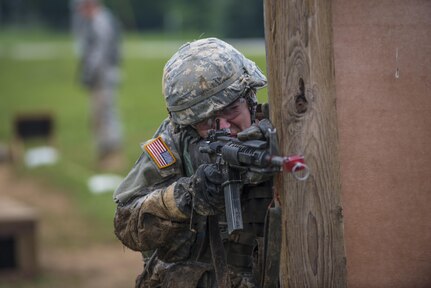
383	81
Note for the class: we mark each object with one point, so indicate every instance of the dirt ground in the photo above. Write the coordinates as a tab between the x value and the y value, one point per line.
62	262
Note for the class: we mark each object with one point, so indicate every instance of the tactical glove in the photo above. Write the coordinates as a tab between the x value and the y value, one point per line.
257	131
208	198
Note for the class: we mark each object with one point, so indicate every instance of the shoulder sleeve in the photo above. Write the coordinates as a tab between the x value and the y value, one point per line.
160	163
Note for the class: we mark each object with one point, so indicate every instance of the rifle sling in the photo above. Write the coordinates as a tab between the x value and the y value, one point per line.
217	253
272	245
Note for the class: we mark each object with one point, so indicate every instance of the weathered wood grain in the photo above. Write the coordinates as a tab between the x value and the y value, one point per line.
303	109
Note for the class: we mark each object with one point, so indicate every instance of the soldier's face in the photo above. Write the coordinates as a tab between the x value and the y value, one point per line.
236	117
87	9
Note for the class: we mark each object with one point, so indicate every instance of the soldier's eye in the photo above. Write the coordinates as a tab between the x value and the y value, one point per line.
232	109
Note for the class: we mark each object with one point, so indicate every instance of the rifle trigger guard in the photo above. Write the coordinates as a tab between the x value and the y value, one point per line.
300	166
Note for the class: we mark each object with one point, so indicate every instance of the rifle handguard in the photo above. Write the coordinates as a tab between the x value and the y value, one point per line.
253	155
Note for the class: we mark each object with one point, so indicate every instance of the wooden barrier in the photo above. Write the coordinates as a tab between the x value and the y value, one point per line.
302	104
383	71
18	239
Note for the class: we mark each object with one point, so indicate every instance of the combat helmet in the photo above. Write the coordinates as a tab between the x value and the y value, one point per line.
205	76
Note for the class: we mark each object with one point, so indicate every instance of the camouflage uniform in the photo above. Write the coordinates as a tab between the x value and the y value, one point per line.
156	212
98	45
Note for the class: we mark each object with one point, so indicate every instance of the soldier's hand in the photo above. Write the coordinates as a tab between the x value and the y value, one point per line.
208	198
257	131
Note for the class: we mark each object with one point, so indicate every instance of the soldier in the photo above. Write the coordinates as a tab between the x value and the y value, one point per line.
165	203
98	43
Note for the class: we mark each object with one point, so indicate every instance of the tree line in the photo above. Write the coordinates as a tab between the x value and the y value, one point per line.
226	18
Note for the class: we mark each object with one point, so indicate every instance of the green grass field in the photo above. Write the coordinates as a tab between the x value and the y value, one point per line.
38	73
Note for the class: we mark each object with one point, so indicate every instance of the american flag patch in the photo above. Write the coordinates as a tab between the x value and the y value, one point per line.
160	153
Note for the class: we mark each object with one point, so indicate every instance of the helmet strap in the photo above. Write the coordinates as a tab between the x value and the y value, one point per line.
252	103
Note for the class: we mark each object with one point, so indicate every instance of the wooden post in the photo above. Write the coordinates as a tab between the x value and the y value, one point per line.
18	243
302	102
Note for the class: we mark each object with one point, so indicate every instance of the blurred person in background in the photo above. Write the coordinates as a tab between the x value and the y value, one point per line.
98	44
166	203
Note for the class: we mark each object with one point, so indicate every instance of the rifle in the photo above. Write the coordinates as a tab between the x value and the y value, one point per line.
235	157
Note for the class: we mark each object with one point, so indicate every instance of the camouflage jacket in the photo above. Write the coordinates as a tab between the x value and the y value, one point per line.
151	217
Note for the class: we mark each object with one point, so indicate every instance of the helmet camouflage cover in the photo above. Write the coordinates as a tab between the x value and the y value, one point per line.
205	76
